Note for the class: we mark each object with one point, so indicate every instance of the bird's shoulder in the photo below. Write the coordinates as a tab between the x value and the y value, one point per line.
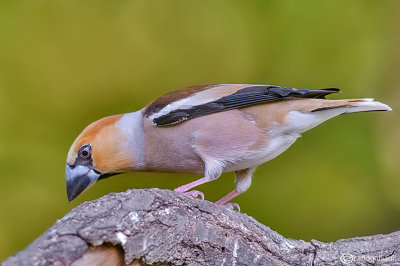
174	96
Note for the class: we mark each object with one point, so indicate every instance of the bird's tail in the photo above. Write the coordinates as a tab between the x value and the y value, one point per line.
317	111
353	106
322	110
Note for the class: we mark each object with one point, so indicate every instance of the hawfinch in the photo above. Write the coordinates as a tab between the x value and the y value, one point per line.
207	129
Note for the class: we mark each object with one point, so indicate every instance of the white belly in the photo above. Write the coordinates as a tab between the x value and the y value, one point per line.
281	136
277	145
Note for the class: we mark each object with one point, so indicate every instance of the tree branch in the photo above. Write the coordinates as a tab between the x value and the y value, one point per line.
161	227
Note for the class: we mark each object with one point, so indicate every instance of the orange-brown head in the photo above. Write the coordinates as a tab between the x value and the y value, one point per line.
98	152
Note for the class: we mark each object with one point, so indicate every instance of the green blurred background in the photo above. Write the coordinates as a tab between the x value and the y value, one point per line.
64	64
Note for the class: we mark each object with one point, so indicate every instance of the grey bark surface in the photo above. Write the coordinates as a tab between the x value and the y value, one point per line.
161	227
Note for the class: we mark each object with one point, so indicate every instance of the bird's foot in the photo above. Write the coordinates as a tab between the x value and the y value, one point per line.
224	200
232	206
192	193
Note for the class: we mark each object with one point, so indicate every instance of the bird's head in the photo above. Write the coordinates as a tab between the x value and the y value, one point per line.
98	152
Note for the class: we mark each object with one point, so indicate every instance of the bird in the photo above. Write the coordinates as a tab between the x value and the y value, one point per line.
205	129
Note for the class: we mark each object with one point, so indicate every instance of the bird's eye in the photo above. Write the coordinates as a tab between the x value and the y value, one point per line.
85	152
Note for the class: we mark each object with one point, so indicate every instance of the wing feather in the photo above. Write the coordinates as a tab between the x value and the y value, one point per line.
247	96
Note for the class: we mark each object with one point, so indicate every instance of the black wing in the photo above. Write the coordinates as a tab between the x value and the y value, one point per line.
248	96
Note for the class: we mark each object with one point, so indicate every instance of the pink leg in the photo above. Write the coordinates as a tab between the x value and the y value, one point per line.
194	193
191	185
227	198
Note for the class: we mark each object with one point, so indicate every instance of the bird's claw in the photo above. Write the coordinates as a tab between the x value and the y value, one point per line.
193	193
232	206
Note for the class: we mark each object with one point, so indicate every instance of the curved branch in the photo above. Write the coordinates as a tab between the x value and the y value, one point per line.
161	227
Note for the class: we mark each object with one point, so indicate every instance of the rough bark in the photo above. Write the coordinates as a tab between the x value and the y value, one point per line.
160	227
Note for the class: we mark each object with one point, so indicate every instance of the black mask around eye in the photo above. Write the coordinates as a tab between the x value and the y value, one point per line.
84	156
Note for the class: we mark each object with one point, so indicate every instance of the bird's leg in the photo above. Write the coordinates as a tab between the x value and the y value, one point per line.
194	193
213	170
225	199
243	182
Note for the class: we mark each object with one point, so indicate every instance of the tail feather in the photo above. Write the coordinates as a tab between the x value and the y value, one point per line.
366	105
323	110
356	106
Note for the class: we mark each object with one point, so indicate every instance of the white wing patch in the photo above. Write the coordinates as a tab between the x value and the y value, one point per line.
187	103
199	98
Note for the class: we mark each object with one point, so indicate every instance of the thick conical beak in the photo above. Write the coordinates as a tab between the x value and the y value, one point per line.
79	179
